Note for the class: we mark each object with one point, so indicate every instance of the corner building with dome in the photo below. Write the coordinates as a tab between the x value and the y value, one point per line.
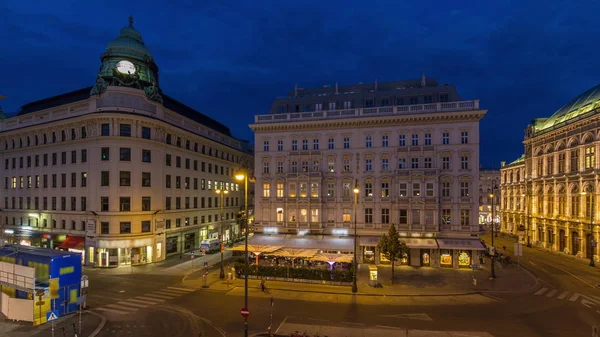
550	194
119	171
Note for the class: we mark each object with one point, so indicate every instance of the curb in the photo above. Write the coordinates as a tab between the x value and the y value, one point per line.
100	326
366	294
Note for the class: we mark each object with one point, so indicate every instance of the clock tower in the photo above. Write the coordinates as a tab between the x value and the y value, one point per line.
128	62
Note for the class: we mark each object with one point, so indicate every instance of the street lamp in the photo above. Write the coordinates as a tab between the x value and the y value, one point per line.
354	286
592	263
493	268
241	176
222	194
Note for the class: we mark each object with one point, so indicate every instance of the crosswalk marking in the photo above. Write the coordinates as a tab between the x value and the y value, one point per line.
120	307
167	297
135	305
541	291
151	299
172	292
182	289
563	295
113	310
551	293
140	301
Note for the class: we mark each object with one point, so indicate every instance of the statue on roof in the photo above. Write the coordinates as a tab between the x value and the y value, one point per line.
153	93
99	88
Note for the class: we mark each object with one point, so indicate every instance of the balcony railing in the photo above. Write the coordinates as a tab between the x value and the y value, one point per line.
368	112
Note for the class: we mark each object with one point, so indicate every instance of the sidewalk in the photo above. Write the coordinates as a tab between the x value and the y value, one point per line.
91	324
408	281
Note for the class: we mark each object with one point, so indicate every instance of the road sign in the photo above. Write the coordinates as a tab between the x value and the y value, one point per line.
81	299
40	303
84	281
245	312
51	316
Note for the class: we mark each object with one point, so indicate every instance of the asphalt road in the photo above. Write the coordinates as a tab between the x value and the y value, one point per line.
566	303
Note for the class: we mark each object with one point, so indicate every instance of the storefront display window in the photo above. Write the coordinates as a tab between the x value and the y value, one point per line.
464	259
425	257
369	254
446	257
172	245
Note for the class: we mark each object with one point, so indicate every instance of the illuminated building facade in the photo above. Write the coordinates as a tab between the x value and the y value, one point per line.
119	171
412	149
550	193
487	179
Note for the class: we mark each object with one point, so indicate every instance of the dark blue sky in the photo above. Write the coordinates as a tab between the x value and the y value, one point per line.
229	59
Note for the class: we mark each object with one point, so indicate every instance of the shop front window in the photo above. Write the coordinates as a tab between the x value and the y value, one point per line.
446	257
425	258
369	254
464	259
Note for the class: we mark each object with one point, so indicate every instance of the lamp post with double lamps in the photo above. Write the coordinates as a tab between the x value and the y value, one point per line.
221	193
591	192
354	285
244	176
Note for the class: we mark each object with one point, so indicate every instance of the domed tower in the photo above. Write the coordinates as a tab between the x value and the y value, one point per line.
128	62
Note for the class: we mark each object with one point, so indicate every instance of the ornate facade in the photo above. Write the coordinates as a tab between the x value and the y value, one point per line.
550	194
489	181
119	171
410	147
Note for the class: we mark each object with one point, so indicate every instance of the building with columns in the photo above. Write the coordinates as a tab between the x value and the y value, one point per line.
119	171
550	193
410	147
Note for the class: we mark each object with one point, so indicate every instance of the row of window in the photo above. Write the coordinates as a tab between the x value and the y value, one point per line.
124	180
385	142
367	103
417	216
551	205
369	164
124	203
124	226
416	189
125	130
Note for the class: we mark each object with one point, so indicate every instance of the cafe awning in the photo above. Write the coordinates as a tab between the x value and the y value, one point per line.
321	242
294	252
73	242
369	241
256	249
427	243
463	244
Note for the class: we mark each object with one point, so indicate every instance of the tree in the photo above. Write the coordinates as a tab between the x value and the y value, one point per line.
391	246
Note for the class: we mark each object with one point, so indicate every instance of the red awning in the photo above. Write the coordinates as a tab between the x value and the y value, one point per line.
72	242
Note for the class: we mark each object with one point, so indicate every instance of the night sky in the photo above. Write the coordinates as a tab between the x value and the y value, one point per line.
230	59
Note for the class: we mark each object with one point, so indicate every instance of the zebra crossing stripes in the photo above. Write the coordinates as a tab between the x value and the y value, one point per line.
551	293
143	301
541	291
563	295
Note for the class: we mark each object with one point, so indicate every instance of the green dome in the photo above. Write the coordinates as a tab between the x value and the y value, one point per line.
129	43
579	106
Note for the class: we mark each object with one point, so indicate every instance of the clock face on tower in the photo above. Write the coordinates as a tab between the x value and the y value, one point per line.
125	67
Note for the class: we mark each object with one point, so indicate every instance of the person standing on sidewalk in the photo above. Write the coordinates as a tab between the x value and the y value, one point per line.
474	282
262	284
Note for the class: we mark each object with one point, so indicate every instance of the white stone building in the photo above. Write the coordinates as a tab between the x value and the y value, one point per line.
119	171
411	148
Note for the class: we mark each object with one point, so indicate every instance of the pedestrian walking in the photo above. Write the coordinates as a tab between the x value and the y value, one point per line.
262	284
474	282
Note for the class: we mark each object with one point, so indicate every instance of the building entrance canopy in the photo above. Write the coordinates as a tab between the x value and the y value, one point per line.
462	244
420	243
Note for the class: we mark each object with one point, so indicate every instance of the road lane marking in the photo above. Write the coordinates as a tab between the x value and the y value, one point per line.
166	297
390	327
318	319
143	302
565	271
113	310
151	299
182	289
135	305
532	263
541	291
120	307
171	292
563	295
551	293
281	324
351	323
